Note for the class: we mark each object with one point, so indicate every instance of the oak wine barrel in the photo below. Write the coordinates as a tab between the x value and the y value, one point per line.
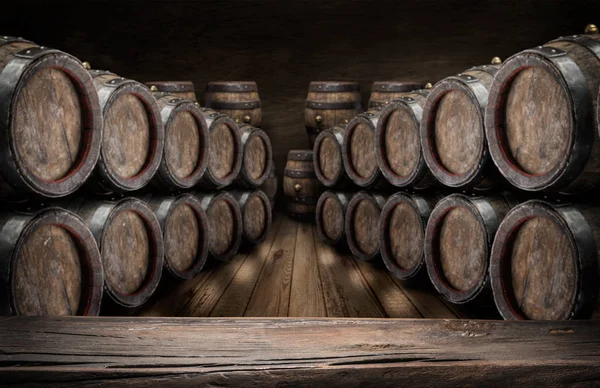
359	150
131	246
50	121
300	185
402	225
397	142
540	116
180	89
257	159
361	224
331	217
383	92
544	261
257	215
133	138
330	103
458	241
49	265
270	186
224	222
236	99
452	129
185	233
224	150
328	161
185	152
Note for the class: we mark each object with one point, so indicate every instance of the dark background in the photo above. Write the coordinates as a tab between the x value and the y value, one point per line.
283	45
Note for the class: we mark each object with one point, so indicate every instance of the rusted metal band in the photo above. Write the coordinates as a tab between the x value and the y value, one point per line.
333	87
348	105
299	173
172	87
232	88
228	105
397	87
305	200
304	156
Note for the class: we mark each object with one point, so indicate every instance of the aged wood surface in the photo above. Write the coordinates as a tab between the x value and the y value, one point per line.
182	233
220	95
183	145
298	352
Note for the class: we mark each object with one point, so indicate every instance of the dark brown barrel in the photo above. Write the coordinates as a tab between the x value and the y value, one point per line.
361	224
257	160
544	261
181	89
257	215
185	152
383	92
359	150
270	187
402	233
236	99
300	185
50	265
133	139
224	150
397	142
330	103
458	241
224	223
130	240
50	121
452	129
185	233
331	216
328	161
540	116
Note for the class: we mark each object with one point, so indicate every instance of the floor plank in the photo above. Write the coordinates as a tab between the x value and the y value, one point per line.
271	297
345	291
306	297
391	297
423	297
235	299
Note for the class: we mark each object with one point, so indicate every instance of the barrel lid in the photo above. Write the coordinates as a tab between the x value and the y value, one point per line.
300	155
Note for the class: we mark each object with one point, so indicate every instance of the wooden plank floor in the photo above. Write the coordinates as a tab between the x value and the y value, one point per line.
294	274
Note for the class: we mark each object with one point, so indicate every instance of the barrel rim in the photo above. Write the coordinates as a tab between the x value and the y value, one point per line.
421	208
578	147
201	258
168	114
19	71
478	96
581	244
341	175
349	222
109	178
92	268
172	86
371	119
488	222
156	261
328	194
245	137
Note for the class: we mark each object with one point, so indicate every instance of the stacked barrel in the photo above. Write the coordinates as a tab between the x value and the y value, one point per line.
492	163
108	184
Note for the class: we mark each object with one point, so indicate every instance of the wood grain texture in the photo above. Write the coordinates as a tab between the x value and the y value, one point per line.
245	92
182	145
182	233
422	296
222	225
362	150
406	236
332	218
402	147
355	353
222	150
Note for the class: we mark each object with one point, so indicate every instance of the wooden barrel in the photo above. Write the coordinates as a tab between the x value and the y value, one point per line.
330	103
452	129
133	139
257	160
236	99
50	121
331	216
49	265
361	224
328	161
185	233
544	261
402	233
180	89
458	241
130	240
397	143
300	185
224	222
383	92
540	116
185	152
359	151
270	187
224	150
257	215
